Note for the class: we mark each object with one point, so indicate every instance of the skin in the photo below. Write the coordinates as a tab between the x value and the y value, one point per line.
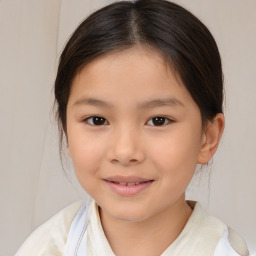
129	144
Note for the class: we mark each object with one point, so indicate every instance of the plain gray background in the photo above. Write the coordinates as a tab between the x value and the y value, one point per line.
32	183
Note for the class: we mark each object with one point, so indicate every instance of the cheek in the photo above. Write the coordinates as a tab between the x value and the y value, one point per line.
175	155
86	154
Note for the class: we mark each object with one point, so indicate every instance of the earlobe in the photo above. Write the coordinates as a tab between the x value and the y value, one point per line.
211	138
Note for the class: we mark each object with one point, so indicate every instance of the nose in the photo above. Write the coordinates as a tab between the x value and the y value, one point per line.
126	147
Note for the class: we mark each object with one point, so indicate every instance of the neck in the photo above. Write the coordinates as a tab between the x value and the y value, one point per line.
151	236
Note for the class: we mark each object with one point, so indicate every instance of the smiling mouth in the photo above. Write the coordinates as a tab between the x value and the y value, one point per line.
128	183
128	186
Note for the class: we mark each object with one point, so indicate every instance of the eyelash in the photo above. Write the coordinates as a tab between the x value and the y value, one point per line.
103	120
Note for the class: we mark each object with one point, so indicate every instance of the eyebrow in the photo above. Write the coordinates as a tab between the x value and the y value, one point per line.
93	102
173	102
147	104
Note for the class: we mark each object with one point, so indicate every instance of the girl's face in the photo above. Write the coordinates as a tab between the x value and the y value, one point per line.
134	134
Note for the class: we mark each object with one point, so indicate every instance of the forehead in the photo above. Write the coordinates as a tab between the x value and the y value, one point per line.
138	72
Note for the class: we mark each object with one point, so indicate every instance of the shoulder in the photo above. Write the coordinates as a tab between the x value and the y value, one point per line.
237	242
50	238
231	244
228	241
210	236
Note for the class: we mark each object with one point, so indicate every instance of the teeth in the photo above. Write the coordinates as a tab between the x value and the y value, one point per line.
130	184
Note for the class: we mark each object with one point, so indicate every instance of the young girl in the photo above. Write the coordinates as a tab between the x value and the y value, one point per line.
139	94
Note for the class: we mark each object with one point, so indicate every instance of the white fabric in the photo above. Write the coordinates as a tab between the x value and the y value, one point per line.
224	248
198	227
97	243
77	234
77	231
51	237
64	234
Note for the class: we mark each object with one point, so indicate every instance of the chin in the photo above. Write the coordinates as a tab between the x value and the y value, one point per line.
130	217
128	213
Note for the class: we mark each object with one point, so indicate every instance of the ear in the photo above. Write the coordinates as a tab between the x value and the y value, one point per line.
211	138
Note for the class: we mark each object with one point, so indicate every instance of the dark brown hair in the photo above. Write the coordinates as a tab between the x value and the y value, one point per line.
167	27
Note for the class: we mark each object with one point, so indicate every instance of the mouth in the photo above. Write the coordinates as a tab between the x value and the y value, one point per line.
128	183
127	186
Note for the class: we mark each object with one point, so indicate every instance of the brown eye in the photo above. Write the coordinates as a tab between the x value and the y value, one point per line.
96	120
158	121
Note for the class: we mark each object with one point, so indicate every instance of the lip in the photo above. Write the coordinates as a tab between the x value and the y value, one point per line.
113	183
126	179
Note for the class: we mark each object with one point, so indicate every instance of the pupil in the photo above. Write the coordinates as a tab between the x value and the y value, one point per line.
158	121
98	120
